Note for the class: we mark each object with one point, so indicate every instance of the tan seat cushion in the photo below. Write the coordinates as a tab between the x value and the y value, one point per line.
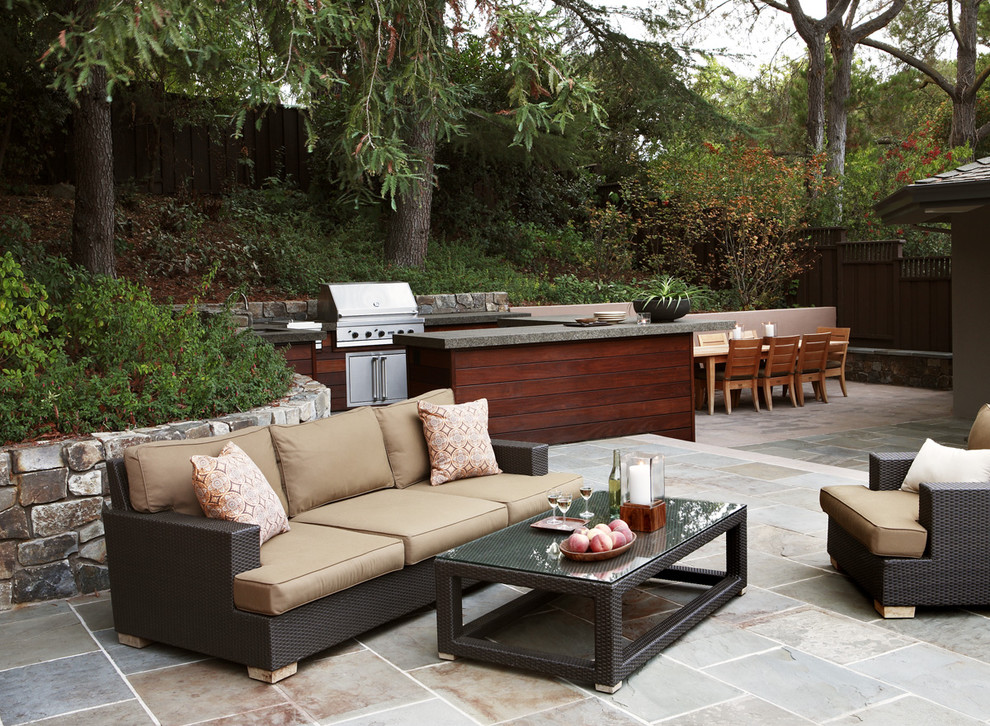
426	522
159	473
885	522
330	459
404	440
979	434
523	496
309	562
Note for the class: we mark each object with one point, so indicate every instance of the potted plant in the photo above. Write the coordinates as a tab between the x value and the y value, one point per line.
671	300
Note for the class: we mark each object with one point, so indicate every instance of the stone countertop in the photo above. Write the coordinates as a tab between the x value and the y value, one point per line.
546	330
469	318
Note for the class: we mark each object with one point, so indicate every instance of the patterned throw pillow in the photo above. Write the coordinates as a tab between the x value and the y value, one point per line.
232	487
458	441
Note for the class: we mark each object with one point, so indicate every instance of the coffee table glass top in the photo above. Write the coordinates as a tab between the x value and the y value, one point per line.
524	548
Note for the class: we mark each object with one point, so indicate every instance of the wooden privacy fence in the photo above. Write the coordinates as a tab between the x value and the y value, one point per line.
163	157
888	300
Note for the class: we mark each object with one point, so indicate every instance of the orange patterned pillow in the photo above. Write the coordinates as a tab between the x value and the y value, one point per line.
458	441
232	487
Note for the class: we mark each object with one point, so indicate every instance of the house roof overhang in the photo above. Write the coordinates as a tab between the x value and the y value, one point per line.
939	198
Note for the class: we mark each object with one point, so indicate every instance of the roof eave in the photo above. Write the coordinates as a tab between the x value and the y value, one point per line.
935	202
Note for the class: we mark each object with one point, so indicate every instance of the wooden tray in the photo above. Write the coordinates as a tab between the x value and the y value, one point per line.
568	524
594	556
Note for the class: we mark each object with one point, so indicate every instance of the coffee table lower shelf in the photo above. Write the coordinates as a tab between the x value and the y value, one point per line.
614	658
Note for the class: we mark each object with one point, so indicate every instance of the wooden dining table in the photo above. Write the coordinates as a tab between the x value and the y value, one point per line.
709	356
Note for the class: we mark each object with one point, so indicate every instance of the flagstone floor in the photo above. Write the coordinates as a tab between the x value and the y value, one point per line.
803	645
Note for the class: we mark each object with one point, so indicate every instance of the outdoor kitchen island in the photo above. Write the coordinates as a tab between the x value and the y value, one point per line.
555	384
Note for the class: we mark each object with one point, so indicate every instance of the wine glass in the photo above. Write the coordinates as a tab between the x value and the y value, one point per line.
586	495
552	498
563	504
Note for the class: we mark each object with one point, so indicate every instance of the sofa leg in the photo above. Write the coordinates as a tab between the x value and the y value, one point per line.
279	674
446	656
133	640
835	565
891	612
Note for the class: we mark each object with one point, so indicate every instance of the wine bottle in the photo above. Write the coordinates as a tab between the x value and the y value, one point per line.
614	486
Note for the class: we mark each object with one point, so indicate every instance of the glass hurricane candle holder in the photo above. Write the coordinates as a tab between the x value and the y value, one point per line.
642	485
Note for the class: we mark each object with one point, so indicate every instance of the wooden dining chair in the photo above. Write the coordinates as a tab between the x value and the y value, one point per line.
749	335
810	365
778	368
706	339
742	367
835	364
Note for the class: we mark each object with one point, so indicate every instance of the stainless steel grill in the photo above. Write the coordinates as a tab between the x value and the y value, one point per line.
369	313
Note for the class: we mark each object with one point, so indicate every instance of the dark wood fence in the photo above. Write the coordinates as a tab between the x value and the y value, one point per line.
888	300
163	157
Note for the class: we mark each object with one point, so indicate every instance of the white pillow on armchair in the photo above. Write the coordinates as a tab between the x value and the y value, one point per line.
937	463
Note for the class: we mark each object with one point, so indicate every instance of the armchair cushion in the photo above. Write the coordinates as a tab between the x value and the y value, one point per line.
885	522
937	463
458	441
979	434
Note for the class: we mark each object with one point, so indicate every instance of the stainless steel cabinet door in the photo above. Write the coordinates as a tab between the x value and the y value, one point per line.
376	377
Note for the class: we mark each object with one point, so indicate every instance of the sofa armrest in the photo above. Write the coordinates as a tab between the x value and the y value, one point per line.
888	469
956	515
522	457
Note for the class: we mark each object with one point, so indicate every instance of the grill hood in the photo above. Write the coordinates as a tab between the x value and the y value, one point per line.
341	301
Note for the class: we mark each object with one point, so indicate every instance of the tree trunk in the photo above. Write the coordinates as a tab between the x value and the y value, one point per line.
409	224
964	99
838	113
92	147
816	94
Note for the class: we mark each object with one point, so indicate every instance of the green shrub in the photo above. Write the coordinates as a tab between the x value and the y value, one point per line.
24	316
118	360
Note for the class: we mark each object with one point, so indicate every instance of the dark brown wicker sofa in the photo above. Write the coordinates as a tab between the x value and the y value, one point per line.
908	549
364	530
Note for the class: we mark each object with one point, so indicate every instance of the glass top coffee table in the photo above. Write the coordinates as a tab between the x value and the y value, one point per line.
518	555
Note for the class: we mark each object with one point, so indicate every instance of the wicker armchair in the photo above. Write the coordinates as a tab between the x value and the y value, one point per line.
955	566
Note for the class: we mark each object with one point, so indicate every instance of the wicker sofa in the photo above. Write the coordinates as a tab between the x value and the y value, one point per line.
906	549
365	525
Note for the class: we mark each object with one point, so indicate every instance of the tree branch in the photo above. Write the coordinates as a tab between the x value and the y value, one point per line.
978	83
915	63
868	28
952	25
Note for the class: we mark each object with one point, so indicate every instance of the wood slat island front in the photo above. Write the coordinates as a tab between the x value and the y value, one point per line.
556	384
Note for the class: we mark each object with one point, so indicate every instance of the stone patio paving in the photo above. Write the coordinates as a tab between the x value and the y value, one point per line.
803	645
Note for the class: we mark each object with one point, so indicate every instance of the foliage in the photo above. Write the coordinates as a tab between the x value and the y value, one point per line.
740	199
24	316
161	367
874	173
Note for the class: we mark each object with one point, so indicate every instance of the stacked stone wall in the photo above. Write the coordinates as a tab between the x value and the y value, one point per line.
917	369
52	497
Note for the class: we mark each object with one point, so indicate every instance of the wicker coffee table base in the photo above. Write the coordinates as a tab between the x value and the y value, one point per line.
615	658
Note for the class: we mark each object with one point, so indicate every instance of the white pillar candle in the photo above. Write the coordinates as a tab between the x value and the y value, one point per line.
639	484
737	332
769	329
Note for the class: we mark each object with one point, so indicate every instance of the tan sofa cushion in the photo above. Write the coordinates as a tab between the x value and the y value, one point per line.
404	440
885	522
159	473
309	562
979	434
523	496
426	522
330	459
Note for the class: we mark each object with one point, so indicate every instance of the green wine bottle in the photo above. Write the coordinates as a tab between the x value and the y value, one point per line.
614	486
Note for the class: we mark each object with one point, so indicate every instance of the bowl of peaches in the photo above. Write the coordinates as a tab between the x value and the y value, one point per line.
602	542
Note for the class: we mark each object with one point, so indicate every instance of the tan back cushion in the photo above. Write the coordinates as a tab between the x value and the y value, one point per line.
979	434
159	474
404	440
330	459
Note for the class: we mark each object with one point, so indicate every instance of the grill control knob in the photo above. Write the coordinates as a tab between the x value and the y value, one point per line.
367	334
354	334
381	333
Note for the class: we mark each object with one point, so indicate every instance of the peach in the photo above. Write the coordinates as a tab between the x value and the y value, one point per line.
578	542
604	528
619	538
618	524
601	543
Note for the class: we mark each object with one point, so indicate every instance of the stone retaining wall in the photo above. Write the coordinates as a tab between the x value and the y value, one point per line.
245	313
52	495
918	369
